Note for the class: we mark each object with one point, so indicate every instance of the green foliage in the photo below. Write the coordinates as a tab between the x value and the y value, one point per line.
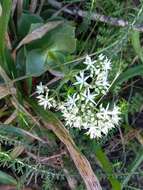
107	166
129	74
136	103
25	22
51	50
4	18
7	179
135	37
58	53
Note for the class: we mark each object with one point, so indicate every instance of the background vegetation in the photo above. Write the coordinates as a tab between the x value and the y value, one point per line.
44	41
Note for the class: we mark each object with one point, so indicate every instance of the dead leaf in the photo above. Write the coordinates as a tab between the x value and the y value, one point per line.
33	6
79	159
14	4
3	91
38	33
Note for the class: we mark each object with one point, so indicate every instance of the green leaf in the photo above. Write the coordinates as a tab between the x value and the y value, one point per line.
107	167
4	19
38	33
135	38
25	23
138	160
35	62
7	179
61	38
53	48
12	131
128	74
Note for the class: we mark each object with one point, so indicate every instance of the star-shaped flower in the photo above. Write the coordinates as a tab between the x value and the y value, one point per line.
72	100
45	101
40	89
89	62
89	97
81	80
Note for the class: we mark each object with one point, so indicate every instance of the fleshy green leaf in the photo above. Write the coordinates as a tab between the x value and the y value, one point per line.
25	23
35	62
38	33
52	51
61	38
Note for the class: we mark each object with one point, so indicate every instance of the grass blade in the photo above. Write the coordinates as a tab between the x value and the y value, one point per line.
128	74
107	167
4	19
135	38
7	179
138	160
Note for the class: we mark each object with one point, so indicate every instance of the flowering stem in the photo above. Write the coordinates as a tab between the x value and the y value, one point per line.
82	164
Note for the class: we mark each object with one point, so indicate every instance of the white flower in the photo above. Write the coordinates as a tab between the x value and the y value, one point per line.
71	101
107	64
89	62
115	115
101	57
94	132
45	101
80	110
81	80
89	97
78	122
40	89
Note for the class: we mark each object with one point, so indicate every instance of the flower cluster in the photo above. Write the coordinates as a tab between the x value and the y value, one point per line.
81	109
43	97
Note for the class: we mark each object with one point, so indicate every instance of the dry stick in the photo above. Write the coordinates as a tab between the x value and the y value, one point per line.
95	16
11	118
72	182
40	7
79	159
4	91
33	6
14	4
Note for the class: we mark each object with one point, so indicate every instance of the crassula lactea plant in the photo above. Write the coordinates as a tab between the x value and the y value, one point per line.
83	109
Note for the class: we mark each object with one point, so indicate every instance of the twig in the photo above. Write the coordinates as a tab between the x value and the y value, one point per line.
40	7
11	118
33	6
72	182
95	16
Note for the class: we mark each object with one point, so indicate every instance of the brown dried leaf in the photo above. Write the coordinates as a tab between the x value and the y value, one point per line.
50	121
19	8
33	6
18	150
14	4
4	91
79	159
38	33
